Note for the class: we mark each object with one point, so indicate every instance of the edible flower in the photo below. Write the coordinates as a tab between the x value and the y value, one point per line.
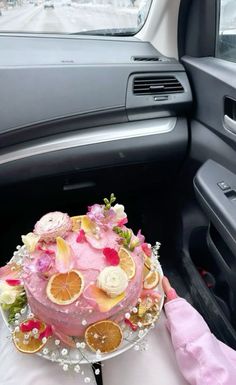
121	217
107	216
140	237
30	241
112	257
44	263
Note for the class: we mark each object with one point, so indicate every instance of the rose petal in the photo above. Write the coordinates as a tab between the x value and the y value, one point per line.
131	325
81	236
64	256
10	271
30	325
69	341
147	249
104	302
13	282
112	257
140	237
47	332
122	222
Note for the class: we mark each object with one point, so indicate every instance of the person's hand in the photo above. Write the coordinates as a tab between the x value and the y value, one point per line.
168	290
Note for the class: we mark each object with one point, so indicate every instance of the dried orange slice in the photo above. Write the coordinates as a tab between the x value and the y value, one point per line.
151	280
105	336
127	262
65	288
29	345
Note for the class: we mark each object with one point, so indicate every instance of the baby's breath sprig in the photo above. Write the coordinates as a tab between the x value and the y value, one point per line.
109	202
125	234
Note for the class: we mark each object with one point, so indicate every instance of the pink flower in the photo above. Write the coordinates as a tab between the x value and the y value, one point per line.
140	237
103	218
96	213
112	256
122	222
30	325
81	236
44	263
147	249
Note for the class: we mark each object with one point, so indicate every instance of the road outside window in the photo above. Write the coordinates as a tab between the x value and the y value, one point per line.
226	42
100	17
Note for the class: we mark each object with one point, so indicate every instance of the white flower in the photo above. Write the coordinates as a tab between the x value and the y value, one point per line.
120	212
8	293
113	280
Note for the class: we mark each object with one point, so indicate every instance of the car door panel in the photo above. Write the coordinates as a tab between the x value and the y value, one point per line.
207	254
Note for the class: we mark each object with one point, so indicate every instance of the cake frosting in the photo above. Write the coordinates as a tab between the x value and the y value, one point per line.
89	244
83	282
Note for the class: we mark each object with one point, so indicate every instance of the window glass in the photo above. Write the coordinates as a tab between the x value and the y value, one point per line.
99	17
226	40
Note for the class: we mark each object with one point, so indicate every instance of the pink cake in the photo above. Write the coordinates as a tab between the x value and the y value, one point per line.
91	245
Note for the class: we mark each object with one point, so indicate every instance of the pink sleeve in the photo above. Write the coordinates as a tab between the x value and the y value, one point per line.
202	359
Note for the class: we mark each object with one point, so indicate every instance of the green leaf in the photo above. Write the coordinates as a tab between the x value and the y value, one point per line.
15	307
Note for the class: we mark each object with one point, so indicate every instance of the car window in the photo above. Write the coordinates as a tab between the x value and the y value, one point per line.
226	36
99	17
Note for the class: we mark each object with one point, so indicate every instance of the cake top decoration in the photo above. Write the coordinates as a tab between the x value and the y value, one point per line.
85	283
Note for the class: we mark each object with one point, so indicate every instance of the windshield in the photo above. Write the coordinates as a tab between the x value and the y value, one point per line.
99	17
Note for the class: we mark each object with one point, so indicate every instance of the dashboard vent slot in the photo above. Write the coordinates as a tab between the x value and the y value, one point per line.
146	58
156	85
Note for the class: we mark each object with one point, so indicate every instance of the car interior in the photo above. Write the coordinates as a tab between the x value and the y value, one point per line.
149	115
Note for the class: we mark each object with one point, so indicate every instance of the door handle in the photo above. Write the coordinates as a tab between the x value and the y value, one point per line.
230	124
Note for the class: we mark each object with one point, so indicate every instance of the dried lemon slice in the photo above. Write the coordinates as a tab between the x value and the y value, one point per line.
148	312
65	288
105	336
147	266
151	280
29	345
127	263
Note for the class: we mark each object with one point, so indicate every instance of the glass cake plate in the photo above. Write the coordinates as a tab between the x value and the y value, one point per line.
63	354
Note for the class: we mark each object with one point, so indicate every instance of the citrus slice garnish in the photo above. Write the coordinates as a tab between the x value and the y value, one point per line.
105	336
148	311
147	266
26	342
65	288
145	304
127	262
147	318
151	280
